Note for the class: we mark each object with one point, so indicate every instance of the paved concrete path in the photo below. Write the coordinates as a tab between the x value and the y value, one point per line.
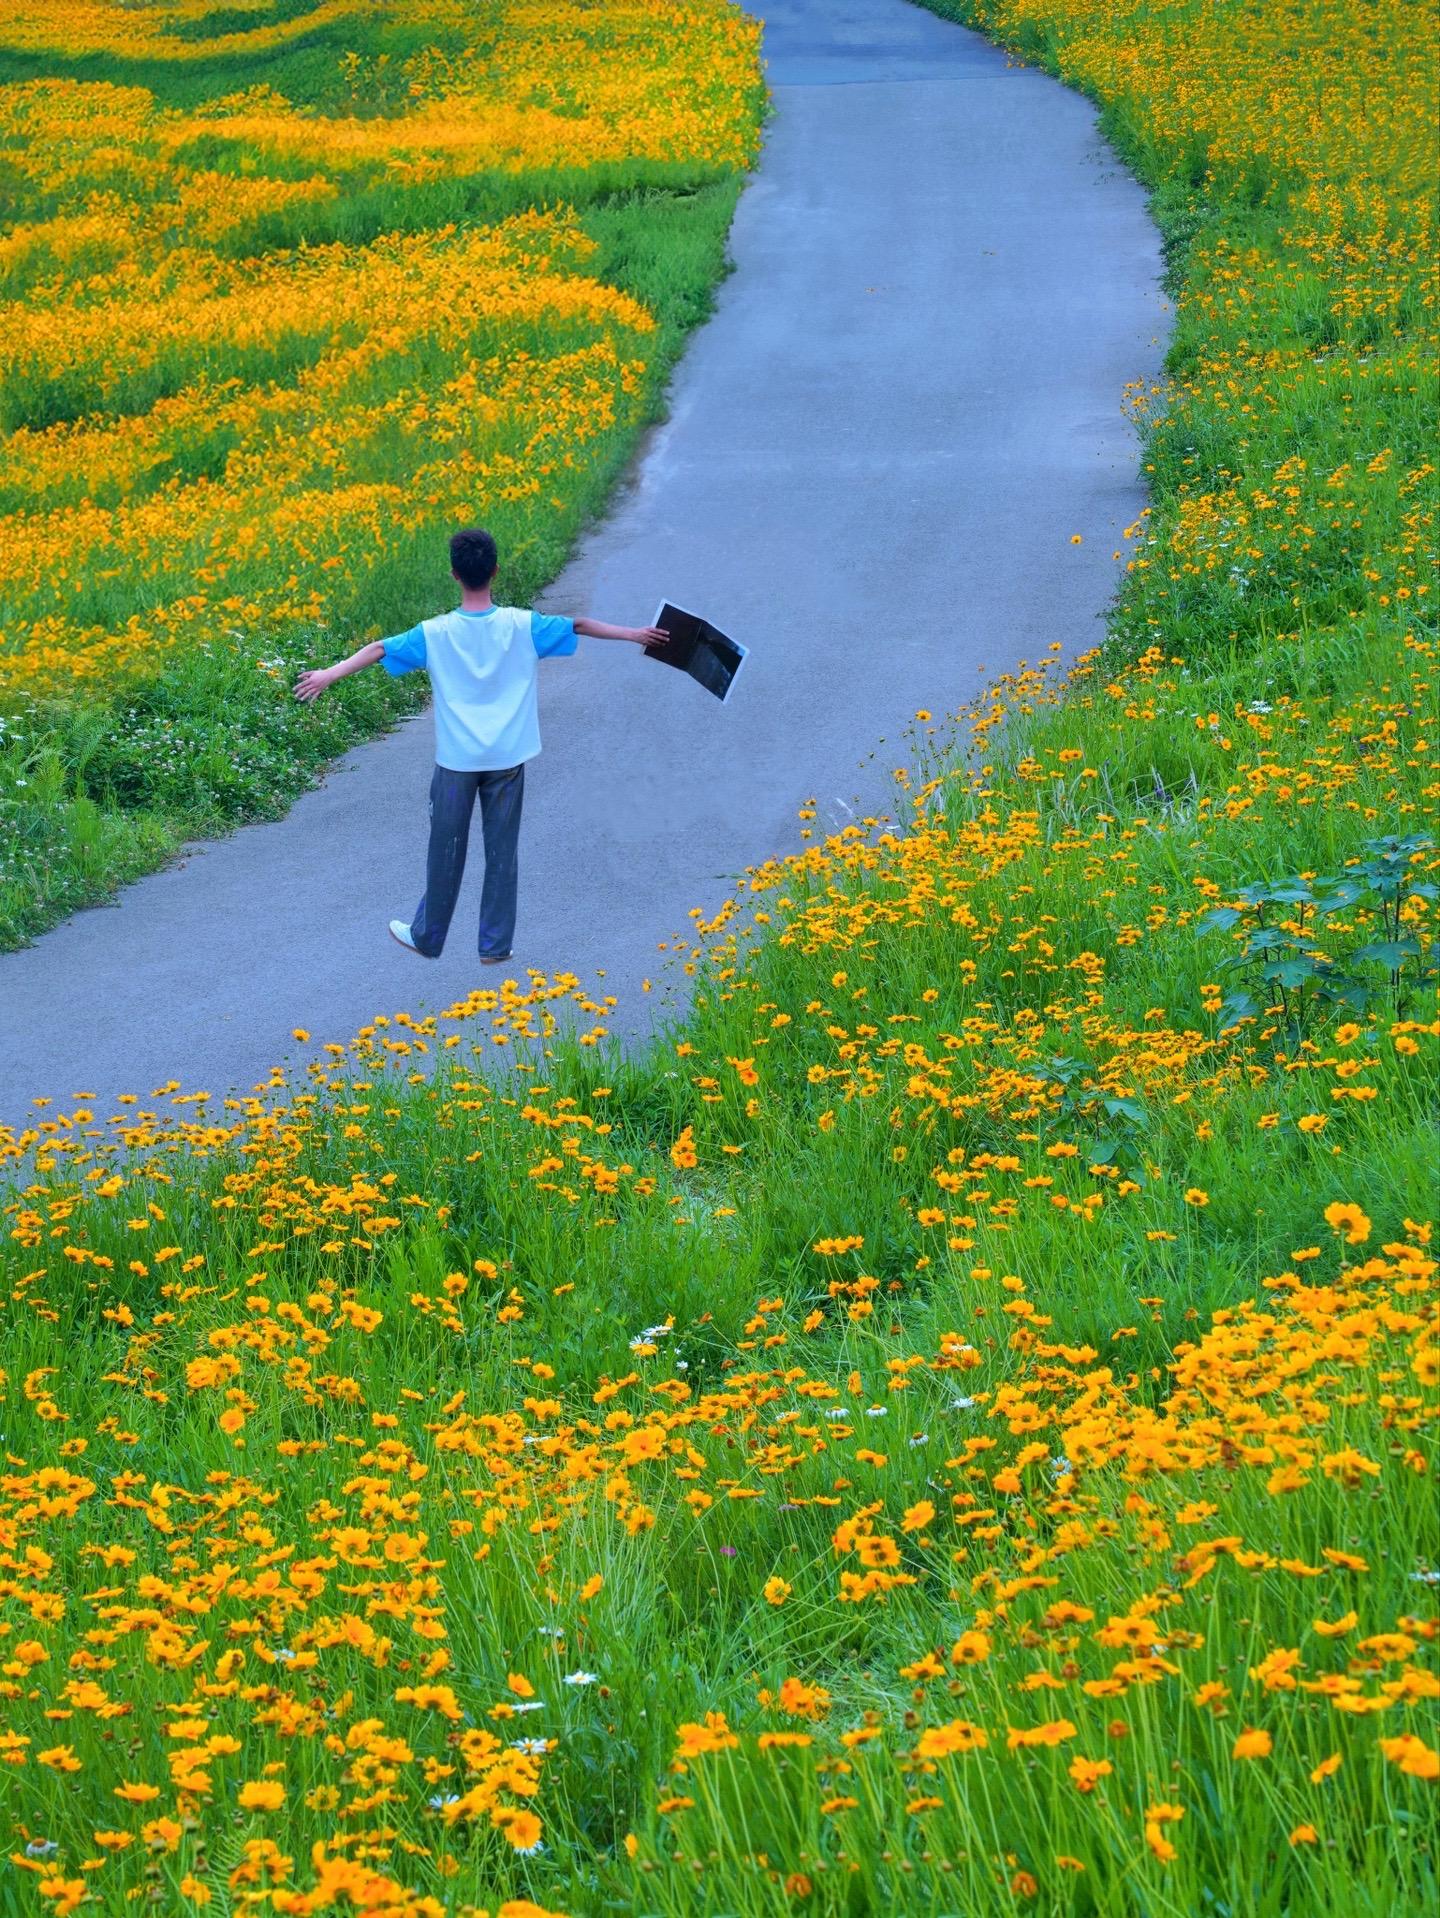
878	449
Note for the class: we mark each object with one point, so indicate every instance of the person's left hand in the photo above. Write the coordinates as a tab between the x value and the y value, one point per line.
650	636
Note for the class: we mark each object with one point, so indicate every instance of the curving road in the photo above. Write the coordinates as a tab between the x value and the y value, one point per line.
877	451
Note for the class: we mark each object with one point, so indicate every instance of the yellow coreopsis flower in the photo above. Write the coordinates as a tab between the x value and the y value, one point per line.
261	1794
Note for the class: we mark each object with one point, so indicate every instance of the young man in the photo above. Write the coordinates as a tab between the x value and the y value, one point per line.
483	664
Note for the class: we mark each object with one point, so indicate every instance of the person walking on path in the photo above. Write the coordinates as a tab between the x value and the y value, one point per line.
483	662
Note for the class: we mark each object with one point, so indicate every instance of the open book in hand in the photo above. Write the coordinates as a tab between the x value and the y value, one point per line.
696	647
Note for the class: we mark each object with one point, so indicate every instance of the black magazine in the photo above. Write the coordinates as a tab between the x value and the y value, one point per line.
710	657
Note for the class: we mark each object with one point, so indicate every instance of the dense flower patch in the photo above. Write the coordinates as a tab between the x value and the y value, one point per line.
953	1428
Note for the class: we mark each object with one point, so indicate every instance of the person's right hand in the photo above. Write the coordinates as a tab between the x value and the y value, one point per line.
650	636
309	686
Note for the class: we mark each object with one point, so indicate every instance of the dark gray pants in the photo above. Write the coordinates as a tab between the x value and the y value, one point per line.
452	801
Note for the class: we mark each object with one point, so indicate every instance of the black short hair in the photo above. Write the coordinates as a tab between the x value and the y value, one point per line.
473	557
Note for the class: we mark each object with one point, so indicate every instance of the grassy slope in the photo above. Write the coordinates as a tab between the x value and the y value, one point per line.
969	1172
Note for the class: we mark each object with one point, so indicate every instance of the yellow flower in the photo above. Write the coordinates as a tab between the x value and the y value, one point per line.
1253	1743
1019	1738
522	1829
714	1735
1155	1838
776	1591
1412	1755
262	1794
1350	1220
940	1741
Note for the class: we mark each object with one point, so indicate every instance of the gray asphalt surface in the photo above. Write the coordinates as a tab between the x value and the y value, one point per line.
877	451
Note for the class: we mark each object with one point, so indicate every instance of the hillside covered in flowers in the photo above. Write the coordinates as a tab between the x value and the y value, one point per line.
951	1428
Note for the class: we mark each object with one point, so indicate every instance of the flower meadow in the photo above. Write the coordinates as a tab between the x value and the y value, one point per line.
949	1429
280	285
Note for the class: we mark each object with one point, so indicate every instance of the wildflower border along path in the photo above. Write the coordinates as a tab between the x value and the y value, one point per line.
878	454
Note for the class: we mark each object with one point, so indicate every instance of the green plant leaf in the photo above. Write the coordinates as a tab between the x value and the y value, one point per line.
1219	919
1390	952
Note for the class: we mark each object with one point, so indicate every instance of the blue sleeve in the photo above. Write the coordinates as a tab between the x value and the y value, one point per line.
552	635
405	652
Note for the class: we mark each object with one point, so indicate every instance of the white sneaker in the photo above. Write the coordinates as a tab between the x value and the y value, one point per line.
400	933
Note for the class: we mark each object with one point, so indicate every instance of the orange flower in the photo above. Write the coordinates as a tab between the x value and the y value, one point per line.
1412	1755
940	1741
1253	1744
1157	1841
692	1740
1053	1733
1087	1772
1336	1629
522	1829
970	1648
1349	1220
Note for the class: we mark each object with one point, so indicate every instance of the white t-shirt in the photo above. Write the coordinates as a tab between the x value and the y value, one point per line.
484	669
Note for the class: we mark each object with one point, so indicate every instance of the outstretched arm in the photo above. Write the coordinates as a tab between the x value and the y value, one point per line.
309	686
637	635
